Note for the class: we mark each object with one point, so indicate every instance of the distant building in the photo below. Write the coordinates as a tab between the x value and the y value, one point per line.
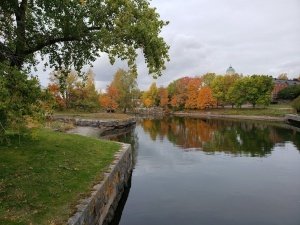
230	71
281	84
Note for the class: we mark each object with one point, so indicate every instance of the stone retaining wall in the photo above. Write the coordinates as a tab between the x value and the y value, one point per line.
102	124
99	208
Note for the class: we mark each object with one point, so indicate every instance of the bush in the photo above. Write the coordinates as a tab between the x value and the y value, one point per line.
296	104
289	93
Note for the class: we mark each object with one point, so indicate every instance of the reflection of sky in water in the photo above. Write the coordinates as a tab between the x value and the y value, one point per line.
173	186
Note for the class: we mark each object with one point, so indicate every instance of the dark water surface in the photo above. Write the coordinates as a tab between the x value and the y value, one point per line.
212	172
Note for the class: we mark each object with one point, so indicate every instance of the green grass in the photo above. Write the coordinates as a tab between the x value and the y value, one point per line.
272	110
42	180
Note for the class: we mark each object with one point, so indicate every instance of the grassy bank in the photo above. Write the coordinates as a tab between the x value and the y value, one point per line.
272	110
101	116
41	180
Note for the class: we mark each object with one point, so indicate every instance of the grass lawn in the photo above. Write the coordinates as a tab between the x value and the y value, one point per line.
42	180
102	116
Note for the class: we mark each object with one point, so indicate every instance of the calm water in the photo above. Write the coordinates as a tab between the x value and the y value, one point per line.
212	172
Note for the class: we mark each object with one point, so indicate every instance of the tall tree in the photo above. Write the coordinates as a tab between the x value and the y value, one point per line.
193	88
221	85
178	92
255	89
205	98
163	97
73	33
258	89
150	97
125	83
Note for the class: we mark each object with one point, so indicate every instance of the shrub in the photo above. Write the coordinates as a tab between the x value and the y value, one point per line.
296	104
289	93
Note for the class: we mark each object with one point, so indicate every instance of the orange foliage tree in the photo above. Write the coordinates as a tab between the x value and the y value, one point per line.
163	97
193	87
108	100
55	92
178	92
205	98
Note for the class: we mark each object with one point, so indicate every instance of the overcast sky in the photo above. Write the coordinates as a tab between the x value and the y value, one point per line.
255	37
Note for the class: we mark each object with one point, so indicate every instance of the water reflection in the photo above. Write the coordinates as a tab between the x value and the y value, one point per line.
231	137
178	179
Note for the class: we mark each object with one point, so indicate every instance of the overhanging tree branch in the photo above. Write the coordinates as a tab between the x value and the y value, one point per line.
54	40
49	42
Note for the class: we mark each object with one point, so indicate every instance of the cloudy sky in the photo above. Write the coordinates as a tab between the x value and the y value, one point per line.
255	37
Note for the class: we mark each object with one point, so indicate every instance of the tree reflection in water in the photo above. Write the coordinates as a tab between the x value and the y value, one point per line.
256	139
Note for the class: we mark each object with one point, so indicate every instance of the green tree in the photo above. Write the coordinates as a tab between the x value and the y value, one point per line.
236	93
255	90
125	83
19	100
220	87
258	89
73	33
208	78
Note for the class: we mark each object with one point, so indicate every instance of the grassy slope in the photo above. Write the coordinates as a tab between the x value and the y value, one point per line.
41	180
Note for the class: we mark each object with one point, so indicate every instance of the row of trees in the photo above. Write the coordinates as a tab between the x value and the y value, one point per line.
211	90
72	91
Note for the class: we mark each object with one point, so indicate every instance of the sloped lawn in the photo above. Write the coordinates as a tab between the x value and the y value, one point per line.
42	179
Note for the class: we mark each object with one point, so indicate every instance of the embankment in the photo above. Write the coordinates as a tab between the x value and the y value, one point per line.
100	206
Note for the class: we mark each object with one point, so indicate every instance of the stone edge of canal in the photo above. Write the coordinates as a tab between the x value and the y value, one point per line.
99	208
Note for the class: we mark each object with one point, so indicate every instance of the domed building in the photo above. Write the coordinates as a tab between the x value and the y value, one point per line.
230	71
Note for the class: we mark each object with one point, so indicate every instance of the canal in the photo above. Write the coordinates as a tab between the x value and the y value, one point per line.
212	172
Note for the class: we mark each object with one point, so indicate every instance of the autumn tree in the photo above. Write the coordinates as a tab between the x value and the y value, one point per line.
205	98
178	92
150	97
193	88
108	100
163	97
74	92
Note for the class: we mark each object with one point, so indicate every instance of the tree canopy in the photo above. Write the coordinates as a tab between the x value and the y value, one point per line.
73	33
